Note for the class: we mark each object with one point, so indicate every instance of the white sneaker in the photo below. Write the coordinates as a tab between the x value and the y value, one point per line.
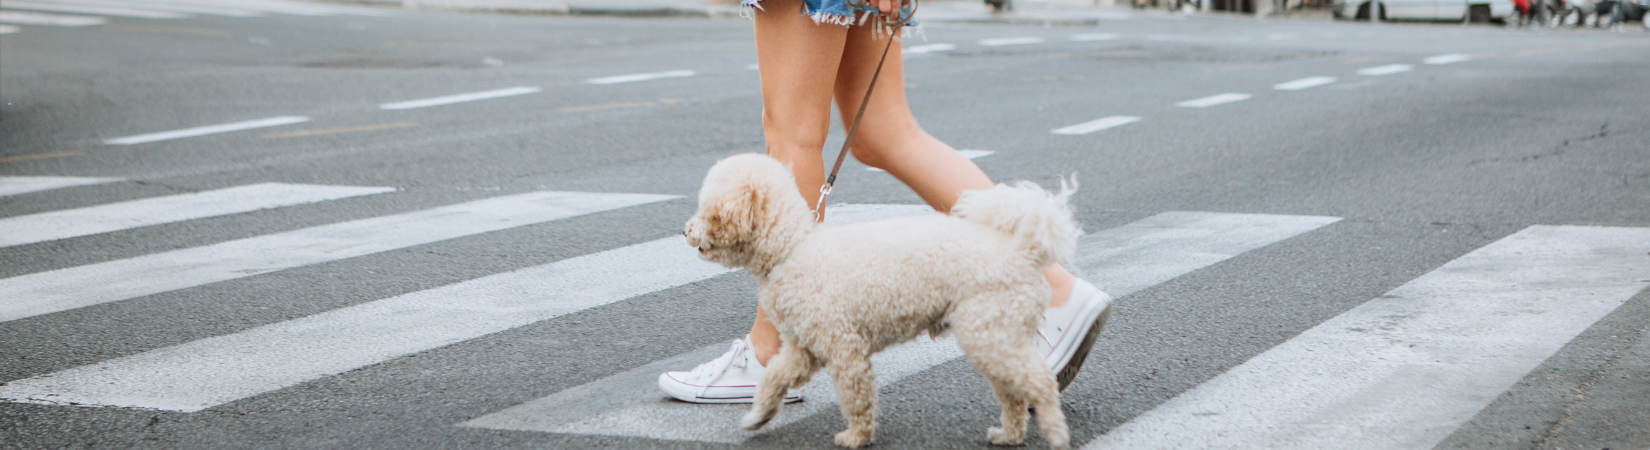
1066	334
730	378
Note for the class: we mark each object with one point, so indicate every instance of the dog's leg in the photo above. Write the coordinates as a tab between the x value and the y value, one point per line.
856	390
791	367
1000	351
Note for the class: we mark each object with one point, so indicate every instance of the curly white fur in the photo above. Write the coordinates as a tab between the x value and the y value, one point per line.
839	294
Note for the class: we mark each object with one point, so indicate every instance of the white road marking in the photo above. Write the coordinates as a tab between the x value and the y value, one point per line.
1122	260
1304	83
54	20
160	6
970	154
999	42
1217	99
206	130
81	286
1096	125
1282	36
99	10
23	185
7	29
925	49
1406	369
174	208
1388	69
631	78
213	371
1090	37
459	98
1451	58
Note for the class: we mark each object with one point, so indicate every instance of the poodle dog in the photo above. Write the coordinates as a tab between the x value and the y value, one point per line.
840	293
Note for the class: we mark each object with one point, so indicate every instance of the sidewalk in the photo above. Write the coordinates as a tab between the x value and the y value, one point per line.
1026	12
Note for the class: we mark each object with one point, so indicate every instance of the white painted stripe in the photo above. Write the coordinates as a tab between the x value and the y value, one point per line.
1388	69
460	98
76	287
1217	99
1406	369
1091	37
631	78
286	7
1304	83
54	20
206	130
1096	125
209	372
22	185
1451	58
157	6
930	48
998	42
1123	260
970	154
175	208
99	10
7	29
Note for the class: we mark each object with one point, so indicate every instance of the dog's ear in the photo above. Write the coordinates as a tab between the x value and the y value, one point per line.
737	216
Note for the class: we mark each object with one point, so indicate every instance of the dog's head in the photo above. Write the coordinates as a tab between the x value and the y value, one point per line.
749	211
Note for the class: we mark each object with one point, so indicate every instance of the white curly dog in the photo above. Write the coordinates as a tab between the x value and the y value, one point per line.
840	293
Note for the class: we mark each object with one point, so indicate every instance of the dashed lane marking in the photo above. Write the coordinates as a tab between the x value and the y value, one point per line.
999	42
1388	69
53	20
168	7
1406	369
929	48
459	98
98	10
65	224
1304	83
1451	58
1217	99
632	78
1096	125
81	286
23	185
206	130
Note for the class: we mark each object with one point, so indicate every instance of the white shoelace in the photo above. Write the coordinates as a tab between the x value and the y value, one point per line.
714	369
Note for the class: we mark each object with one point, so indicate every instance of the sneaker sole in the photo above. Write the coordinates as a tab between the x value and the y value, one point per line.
731	401
1069	372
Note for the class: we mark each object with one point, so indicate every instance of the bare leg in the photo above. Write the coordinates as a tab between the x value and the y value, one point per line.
803	65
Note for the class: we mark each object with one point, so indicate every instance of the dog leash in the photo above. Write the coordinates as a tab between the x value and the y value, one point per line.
900	19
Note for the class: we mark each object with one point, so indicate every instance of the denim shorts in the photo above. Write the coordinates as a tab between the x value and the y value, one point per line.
825	11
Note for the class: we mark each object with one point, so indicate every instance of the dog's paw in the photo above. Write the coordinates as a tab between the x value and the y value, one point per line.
754	420
999	437
853	439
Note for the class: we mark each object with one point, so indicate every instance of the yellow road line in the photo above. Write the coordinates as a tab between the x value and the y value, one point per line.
168	30
381	126
666	101
32	157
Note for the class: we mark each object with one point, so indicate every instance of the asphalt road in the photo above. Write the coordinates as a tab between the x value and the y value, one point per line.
1503	158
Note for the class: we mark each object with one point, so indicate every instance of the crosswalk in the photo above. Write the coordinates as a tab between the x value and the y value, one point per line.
1430	353
81	13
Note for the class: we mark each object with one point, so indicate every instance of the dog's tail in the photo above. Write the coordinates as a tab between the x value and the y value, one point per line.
1039	221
